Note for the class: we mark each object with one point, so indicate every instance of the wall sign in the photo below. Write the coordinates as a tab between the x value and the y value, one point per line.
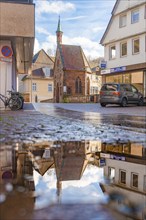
6	51
118	69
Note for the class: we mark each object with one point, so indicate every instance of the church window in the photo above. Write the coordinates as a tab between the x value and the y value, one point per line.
78	85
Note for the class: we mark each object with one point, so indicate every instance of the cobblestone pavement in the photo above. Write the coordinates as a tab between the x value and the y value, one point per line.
32	126
94	108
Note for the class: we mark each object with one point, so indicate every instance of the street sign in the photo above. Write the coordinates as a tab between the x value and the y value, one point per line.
8	60
6	51
103	64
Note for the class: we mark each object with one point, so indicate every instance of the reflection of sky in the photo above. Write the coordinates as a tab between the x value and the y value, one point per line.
85	190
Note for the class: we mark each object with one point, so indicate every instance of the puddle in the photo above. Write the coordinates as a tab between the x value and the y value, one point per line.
38	176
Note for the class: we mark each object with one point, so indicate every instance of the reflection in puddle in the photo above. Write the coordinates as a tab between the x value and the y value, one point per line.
35	176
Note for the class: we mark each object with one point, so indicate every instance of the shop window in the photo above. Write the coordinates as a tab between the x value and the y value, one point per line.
134	180
136	46
34	87
122	20
135	16
122	178
113	52
123	49
78	85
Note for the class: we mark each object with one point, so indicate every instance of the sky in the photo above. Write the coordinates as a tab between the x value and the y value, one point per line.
83	23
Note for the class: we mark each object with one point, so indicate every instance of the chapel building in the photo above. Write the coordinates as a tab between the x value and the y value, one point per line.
71	72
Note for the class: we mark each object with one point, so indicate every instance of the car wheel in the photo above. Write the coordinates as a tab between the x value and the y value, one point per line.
103	104
124	102
141	102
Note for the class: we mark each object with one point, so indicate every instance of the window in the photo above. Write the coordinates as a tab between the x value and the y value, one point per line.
34	87
111	173
122	20
136	46
123	49
112	52
68	90
122	176
46	71
88	86
135	16
134	179
50	89
78	86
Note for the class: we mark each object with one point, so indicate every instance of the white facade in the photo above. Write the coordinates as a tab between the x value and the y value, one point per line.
134	195
124	42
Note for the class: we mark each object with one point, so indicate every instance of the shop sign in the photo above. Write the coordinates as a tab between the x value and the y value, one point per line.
105	71
115	157
104	155
118	69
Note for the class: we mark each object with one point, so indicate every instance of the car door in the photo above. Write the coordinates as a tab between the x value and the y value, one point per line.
128	92
135	94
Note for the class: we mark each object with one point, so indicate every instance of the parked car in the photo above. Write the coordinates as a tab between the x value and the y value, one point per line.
121	94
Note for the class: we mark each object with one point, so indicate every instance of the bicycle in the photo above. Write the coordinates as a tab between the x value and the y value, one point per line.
13	102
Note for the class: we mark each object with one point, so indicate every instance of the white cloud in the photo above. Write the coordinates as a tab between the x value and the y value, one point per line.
42	30
74	18
91	48
37	46
54	7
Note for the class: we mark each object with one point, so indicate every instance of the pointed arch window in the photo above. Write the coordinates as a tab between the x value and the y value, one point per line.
88	86
78	85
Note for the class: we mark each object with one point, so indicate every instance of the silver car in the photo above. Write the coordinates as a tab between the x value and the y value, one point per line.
121	94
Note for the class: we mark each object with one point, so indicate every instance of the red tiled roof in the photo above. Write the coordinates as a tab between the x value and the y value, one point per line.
72	57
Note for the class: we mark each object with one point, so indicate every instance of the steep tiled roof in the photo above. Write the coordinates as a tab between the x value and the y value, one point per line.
73	57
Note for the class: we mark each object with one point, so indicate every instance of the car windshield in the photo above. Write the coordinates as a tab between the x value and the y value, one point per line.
110	87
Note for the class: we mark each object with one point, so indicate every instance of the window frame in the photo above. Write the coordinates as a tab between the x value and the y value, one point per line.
120	20
50	86
34	87
136	11
78	85
133	46
120	179
121	49
112	56
133	182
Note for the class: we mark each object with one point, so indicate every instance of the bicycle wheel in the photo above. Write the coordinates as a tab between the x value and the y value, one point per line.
15	103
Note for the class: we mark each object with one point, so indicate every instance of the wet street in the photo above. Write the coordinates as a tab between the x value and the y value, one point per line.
60	163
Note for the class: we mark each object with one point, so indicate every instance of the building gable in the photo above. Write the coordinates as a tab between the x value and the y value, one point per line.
42	59
113	25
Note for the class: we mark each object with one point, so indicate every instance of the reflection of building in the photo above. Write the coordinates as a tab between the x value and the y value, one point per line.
125	51
38	85
16	41
127	172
